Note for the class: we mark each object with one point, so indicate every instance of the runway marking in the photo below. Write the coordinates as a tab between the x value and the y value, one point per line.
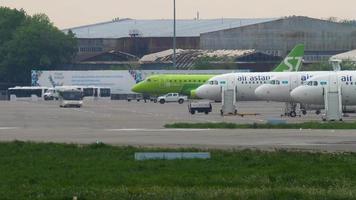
8	128
156	130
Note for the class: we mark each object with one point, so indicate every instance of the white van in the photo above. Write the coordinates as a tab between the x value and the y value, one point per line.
70	98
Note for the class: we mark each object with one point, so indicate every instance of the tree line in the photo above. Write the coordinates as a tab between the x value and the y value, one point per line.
31	43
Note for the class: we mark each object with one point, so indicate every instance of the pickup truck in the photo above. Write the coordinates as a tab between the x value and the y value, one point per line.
172	97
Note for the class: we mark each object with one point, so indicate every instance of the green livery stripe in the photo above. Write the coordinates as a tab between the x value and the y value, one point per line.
292	61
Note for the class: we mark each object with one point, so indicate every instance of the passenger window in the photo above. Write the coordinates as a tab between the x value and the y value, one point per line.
310	83
216	83
272	82
175	95
169	95
315	83
277	82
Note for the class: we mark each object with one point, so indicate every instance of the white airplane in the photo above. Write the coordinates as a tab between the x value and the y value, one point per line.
279	87
313	91
244	83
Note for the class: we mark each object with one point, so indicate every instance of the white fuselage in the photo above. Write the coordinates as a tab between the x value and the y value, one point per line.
279	87
313	91
244	83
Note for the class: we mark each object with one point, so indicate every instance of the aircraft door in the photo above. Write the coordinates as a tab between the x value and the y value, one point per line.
294	82
333	82
231	84
162	83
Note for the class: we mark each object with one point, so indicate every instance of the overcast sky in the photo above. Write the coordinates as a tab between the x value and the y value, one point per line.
70	13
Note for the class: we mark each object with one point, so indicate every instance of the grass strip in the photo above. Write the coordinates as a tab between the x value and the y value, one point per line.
305	125
99	171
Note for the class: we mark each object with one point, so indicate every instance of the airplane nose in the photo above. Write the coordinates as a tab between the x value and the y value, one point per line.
202	92
137	88
209	92
297	94
262	92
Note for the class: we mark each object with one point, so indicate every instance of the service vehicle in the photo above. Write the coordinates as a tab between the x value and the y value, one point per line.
199	107
50	94
70	97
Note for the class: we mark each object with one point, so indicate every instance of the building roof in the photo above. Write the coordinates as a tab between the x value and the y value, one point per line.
160	28
347	56
186	58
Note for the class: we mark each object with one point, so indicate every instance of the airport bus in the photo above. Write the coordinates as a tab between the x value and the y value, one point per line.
89	92
27	93
96	93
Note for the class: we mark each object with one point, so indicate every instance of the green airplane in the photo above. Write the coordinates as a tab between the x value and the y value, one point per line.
187	83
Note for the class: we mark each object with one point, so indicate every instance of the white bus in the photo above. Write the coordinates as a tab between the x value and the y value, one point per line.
96	93
27	93
89	92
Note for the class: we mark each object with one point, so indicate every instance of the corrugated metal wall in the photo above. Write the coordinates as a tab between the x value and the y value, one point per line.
281	35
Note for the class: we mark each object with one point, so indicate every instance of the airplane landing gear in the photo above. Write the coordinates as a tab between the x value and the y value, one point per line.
293	114
290	110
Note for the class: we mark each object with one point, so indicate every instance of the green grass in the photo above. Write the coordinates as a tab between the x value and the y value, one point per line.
58	171
306	125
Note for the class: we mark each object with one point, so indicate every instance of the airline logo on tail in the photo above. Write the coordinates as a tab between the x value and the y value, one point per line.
293	61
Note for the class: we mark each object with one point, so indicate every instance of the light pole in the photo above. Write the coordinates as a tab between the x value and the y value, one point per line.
174	34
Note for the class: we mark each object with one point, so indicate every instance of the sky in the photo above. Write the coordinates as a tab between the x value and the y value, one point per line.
72	13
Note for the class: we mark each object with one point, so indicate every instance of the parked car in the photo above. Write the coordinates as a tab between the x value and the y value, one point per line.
51	94
172	97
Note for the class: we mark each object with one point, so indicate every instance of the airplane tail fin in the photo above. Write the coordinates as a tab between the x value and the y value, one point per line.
292	61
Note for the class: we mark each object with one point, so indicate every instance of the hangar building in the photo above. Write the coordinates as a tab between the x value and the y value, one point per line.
141	37
322	38
128	40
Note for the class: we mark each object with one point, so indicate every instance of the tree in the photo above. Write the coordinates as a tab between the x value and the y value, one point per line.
34	44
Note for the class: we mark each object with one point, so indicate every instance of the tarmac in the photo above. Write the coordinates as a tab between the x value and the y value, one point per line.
141	124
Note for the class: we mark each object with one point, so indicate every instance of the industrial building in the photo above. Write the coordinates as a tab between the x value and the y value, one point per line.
141	37
101	46
322	38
